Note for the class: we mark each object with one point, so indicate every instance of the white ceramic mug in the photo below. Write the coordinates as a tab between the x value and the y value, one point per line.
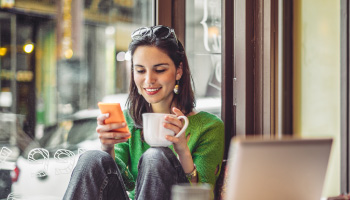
154	131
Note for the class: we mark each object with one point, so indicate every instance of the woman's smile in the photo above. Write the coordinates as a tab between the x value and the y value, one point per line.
152	91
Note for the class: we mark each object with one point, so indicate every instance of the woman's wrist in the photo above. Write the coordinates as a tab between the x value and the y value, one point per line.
183	154
186	161
107	148
192	174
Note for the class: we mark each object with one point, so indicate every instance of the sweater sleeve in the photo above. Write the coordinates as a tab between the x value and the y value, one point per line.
122	158
209	153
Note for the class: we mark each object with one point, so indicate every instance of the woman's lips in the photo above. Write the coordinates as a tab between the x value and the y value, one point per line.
152	91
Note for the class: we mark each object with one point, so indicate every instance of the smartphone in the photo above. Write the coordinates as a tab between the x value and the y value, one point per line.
116	114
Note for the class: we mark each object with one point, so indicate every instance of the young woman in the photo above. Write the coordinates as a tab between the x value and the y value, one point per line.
161	83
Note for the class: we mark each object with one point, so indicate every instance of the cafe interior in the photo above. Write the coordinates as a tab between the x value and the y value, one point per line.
271	70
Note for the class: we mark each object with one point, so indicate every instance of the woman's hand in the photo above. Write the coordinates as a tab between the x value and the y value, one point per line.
174	124
180	143
107	136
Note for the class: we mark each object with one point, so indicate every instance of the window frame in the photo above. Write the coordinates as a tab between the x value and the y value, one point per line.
245	96
345	96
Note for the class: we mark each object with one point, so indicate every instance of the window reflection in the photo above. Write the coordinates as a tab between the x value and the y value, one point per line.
58	58
203	44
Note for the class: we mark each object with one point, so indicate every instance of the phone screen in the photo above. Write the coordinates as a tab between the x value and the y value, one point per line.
116	114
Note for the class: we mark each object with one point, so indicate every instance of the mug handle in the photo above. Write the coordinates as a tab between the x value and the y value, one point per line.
184	127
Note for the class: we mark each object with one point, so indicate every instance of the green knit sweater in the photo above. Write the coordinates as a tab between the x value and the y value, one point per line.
206	143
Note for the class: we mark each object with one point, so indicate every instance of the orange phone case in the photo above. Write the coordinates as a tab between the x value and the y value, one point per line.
116	114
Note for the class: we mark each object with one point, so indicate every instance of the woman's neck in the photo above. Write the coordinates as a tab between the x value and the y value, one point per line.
162	108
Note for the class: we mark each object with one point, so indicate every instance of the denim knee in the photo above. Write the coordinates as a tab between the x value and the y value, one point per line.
154	153
159	169
95	158
96	175
157	157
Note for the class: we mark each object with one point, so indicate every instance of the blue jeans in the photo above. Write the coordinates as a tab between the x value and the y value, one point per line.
97	176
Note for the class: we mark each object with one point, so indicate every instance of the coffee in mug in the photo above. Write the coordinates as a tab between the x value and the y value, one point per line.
154	132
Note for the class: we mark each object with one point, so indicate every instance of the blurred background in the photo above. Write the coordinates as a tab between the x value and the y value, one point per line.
58	59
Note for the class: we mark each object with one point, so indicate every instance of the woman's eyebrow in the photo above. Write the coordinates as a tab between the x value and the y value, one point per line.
156	65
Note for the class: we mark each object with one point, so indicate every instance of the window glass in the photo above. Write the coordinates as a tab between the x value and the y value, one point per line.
203	47
58	59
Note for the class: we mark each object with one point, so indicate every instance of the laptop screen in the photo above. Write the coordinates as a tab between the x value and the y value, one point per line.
277	169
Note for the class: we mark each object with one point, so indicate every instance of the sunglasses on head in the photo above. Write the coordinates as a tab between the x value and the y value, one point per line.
160	32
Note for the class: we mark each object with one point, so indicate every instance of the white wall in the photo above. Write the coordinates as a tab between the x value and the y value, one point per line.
317	78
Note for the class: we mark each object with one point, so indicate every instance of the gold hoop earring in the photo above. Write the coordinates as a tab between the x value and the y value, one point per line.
176	88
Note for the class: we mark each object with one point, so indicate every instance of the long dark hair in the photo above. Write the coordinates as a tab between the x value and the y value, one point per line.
185	100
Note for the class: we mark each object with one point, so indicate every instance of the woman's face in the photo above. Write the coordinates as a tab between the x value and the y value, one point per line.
155	75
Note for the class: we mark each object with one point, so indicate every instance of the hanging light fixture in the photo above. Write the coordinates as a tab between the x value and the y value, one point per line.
3	51
28	47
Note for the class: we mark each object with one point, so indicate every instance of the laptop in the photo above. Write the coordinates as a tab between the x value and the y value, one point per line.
277	169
